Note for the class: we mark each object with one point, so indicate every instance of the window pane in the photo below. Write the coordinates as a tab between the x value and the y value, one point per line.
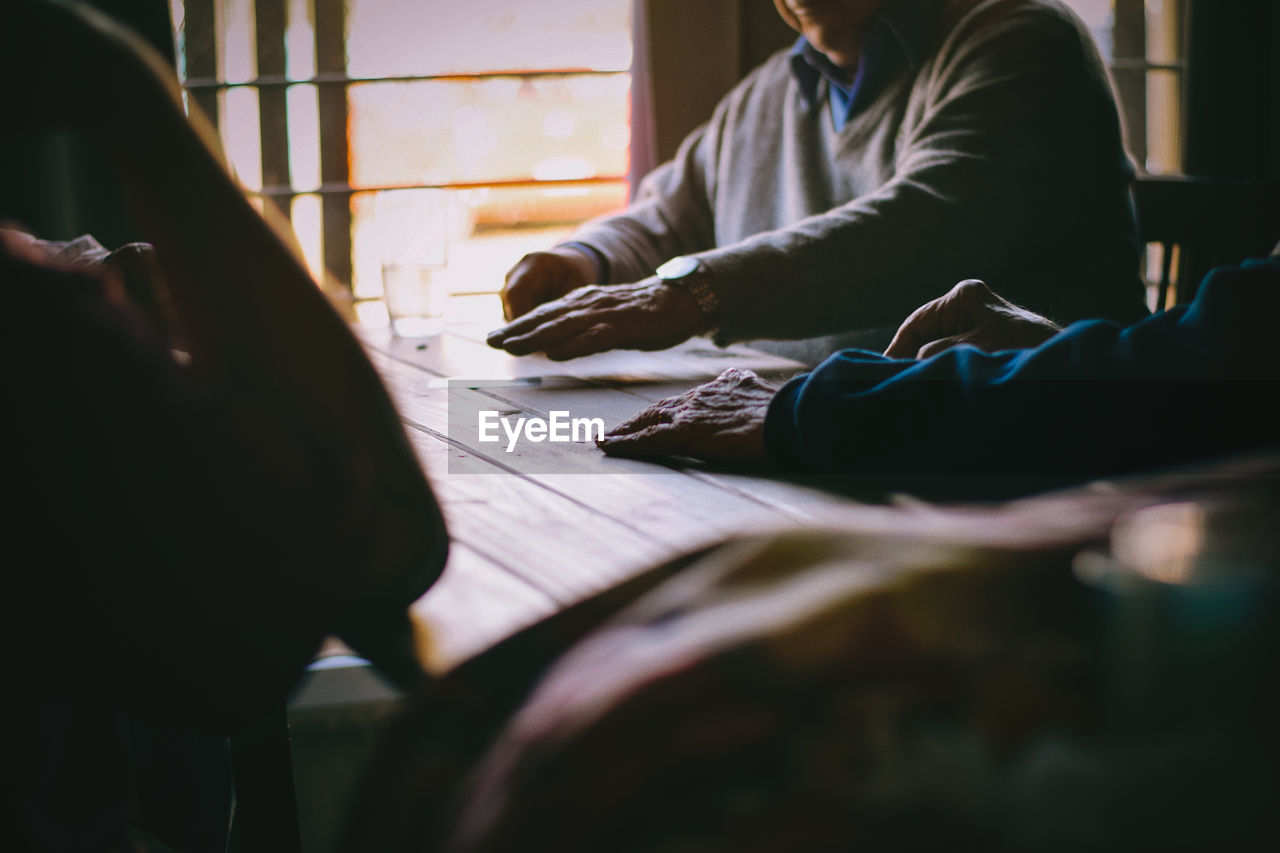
1134	35
1163	20
1098	17
238	56
304	137
178	17
240	134
1164	125
503	128
497	125
300	41
411	37
1164	30
488	230
305	217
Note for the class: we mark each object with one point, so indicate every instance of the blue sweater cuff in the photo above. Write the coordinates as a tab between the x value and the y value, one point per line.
781	433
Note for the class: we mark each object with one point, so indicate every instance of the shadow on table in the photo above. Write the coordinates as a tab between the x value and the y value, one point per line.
890	487
1149	692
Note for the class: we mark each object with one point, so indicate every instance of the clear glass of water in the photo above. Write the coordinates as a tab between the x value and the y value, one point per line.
413	226
415	295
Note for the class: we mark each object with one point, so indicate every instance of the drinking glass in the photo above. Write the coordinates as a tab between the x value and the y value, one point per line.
413	228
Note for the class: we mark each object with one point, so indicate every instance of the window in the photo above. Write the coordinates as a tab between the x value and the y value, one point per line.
1142	43
518	110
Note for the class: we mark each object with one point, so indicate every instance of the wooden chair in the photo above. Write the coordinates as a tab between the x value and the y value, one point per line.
1201	223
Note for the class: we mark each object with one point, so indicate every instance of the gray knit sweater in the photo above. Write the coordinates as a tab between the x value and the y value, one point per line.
996	155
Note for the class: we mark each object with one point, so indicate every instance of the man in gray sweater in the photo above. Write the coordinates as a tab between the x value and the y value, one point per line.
899	146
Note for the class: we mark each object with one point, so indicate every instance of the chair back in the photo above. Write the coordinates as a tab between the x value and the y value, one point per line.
1201	223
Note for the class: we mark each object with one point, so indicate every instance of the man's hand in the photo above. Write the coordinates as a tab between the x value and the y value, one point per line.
646	315
969	313
722	420
540	277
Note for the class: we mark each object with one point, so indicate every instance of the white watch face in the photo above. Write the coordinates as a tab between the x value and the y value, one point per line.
677	267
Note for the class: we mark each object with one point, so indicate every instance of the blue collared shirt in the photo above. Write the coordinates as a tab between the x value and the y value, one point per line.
899	33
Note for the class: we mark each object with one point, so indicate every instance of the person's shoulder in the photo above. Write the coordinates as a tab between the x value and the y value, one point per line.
760	95
1016	37
773	73
1049	13
1031	21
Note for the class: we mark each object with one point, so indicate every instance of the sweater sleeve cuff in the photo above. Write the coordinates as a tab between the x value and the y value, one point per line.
598	260
781	433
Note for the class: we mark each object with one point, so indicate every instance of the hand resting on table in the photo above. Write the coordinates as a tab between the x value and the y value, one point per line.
540	277
720	420
723	420
644	315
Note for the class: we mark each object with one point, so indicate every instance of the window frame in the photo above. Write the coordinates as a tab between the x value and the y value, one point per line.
203	84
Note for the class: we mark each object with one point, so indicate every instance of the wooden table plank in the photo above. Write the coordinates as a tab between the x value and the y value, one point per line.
565	549
795	502
474	604
667	504
548	523
453	355
635	378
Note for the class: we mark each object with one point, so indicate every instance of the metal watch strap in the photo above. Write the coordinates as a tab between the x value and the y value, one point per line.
689	275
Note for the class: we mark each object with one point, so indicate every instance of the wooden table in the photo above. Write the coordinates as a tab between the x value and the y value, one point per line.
532	531
549	523
538	529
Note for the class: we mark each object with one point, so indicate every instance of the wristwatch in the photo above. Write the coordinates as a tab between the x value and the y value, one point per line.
690	275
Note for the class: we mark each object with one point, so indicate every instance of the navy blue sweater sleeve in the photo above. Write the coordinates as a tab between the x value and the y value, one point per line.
1096	399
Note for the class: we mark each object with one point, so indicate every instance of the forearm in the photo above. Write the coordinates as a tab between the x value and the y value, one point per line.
965	411
1093	400
671	216
871	261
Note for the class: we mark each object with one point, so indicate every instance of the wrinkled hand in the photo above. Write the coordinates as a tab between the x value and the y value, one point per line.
969	313
722	420
540	277
646	315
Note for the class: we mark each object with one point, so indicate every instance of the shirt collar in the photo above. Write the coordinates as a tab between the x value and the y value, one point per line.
901	29
809	67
